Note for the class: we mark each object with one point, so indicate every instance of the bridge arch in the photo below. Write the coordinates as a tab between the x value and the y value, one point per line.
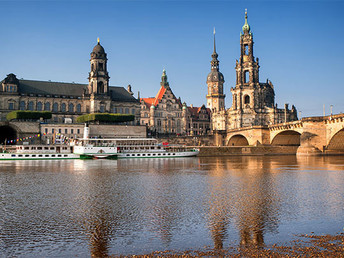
336	142
287	138
237	140
7	134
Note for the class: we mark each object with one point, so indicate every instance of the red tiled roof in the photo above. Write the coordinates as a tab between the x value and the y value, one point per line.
154	101
159	95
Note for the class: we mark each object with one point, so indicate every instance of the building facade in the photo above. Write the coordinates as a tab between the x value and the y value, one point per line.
166	114
67	101
253	102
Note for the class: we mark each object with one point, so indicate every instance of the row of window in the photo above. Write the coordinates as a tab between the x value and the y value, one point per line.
46	107
59	130
63	107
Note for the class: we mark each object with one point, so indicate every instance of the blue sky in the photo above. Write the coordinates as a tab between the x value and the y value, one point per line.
299	45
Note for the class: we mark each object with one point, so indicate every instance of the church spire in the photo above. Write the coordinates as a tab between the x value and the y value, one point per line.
215	61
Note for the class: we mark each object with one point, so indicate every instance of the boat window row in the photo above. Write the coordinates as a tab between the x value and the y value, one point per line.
150	154
38	155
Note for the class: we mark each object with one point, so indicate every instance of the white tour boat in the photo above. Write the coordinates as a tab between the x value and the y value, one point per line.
39	152
96	148
129	148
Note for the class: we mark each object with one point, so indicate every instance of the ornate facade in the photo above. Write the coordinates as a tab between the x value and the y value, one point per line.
67	101
253	102
166	114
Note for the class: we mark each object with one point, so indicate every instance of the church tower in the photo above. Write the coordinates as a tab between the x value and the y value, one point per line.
247	72
215	80
98	77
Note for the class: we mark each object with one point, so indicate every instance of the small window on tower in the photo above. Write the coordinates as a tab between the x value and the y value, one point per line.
247	77
101	66
247	99
246	50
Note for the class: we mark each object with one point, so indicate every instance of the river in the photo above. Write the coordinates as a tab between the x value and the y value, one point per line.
136	206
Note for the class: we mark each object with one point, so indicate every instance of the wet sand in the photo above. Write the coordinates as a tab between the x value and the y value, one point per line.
303	246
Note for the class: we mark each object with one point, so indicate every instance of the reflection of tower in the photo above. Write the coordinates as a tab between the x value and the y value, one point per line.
257	201
219	204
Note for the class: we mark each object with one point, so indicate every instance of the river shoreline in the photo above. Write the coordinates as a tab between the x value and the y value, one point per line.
304	245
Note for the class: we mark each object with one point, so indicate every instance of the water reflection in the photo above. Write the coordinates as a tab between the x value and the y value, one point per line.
102	208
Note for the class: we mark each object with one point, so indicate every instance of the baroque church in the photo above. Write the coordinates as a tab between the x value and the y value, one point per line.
166	114
253	102
67	101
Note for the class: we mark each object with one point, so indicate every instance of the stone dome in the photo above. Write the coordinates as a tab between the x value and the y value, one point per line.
215	76
98	49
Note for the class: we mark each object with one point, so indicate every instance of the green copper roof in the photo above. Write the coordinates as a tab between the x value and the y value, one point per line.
246	27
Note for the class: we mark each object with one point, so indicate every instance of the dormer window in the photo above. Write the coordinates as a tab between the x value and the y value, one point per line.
11	88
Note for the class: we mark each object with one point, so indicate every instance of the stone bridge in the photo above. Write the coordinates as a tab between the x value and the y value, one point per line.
313	134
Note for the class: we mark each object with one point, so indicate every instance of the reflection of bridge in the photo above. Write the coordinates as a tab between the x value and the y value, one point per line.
325	134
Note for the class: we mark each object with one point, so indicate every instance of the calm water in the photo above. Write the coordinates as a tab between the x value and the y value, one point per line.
99	207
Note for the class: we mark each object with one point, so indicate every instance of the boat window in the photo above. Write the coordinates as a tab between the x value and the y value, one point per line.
138	154
13	155
164	154
39	148
128	155
27	155
20	155
33	155
46	148
154	154
26	148
33	148
173	154
132	154
143	154
51	148
59	155
47	155
53	155
148	154
40	155
65	155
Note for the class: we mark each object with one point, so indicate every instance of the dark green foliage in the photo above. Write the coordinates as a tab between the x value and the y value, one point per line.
105	117
28	115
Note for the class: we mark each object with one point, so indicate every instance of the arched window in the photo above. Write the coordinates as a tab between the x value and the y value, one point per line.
22	105
247	99
31	105
100	87
120	110
102	108
247	76
55	107
127	110
78	108
71	108
133	111
47	106
63	107
39	106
